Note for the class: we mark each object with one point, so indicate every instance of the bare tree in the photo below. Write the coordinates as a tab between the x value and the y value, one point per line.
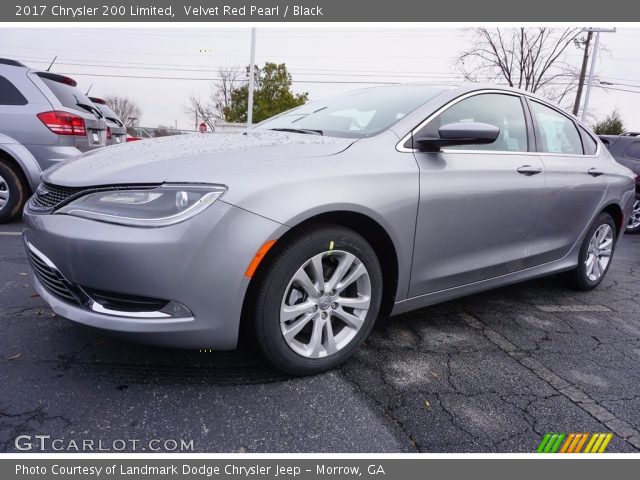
230	79
128	110
533	59
212	108
201	110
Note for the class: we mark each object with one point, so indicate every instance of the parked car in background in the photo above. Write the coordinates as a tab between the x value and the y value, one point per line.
47	115
116	131
626	150
304	231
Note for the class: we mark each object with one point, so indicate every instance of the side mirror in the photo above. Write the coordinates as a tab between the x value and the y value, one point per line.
458	134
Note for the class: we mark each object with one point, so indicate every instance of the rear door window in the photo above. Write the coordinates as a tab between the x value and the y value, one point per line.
110	114
9	94
557	132
68	95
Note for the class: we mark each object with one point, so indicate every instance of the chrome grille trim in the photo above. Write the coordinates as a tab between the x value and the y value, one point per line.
49	197
51	278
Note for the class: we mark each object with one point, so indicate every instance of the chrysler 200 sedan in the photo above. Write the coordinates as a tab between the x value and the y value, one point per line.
304	230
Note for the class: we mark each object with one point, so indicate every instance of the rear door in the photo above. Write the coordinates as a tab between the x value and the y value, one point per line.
576	181
72	100
479	204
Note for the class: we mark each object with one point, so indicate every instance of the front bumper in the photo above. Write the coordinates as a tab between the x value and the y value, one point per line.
198	264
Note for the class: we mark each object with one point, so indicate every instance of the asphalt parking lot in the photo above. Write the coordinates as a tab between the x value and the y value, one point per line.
489	373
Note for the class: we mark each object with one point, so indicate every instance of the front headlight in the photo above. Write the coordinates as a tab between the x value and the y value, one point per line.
154	207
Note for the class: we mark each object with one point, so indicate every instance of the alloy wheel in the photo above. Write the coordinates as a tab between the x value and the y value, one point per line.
4	192
599	252
634	221
325	304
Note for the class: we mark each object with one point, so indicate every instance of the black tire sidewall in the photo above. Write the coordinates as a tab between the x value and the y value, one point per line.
17	193
583	280
276	279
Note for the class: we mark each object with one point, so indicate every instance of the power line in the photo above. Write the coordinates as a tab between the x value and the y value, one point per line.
345	82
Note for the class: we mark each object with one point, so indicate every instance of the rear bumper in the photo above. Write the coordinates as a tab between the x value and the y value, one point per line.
199	264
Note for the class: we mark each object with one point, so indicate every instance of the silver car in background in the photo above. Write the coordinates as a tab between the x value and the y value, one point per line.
116	131
304	230
47	115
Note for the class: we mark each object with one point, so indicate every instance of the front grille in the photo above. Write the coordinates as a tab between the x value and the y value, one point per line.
50	279
51	196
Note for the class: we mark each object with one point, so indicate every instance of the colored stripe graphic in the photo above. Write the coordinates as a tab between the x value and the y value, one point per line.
543	443
574	442
567	443
605	443
581	442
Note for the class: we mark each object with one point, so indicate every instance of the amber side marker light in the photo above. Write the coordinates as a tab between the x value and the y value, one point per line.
262	251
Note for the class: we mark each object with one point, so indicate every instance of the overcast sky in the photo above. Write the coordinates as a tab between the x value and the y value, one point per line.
322	61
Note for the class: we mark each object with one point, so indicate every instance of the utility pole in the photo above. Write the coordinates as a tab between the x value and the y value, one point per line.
251	79
583	73
593	66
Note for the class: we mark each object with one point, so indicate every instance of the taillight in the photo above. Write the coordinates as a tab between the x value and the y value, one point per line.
63	123
108	133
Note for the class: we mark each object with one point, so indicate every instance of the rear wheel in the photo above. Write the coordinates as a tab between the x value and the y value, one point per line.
595	255
634	222
317	300
13	193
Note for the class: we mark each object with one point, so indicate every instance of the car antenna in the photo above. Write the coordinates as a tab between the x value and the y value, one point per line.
52	62
88	89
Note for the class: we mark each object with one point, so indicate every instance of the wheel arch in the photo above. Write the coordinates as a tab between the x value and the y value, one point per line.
25	165
616	213
363	224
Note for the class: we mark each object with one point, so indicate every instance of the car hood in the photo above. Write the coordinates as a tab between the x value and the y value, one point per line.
205	158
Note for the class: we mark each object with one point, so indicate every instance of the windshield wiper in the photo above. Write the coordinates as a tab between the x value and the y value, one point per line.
91	109
115	120
308	131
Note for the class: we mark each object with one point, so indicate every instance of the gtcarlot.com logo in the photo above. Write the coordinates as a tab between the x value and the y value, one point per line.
574	442
43	443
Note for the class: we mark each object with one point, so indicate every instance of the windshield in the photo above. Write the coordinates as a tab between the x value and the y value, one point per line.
357	114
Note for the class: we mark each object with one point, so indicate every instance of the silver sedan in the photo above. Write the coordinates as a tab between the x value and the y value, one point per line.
303	231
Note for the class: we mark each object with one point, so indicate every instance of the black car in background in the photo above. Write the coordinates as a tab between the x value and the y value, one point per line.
625	149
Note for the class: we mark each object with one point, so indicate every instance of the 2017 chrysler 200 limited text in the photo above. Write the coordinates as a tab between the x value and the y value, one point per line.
305	229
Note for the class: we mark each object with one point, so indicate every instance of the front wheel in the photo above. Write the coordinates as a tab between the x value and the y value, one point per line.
595	255
317	299
634	221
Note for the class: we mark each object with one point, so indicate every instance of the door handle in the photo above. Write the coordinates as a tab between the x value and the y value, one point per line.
529	170
594	172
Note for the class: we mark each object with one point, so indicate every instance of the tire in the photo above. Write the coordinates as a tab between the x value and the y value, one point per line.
318	316
13	193
634	222
583	277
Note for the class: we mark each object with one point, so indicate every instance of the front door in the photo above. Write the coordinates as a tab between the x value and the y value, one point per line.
479	204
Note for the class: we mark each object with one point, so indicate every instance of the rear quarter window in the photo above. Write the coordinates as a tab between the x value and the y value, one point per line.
9	94
589	144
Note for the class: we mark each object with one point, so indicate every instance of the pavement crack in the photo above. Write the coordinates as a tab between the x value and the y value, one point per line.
564	387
